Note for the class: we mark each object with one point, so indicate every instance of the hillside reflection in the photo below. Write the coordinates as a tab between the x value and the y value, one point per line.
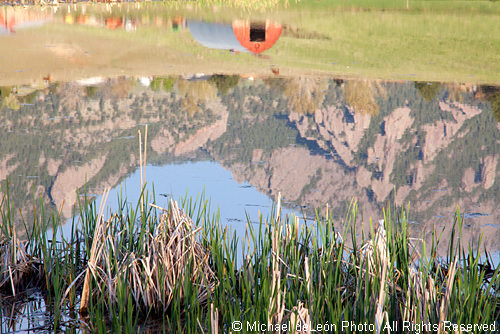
315	140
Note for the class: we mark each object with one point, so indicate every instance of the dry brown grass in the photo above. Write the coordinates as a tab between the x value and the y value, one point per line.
156	269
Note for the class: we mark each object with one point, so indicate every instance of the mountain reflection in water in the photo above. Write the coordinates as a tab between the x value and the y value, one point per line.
315	140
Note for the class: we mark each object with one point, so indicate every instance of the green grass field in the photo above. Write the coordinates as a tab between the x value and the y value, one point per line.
457	41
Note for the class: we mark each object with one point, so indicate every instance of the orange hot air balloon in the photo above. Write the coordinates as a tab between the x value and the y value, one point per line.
256	36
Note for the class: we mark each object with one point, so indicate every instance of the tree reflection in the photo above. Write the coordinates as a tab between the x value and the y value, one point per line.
70	95
163	83
194	93
8	99
276	84
428	90
121	87
224	83
495	106
304	95
492	95
361	95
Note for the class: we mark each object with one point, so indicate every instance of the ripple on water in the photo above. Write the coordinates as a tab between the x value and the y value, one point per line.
474	214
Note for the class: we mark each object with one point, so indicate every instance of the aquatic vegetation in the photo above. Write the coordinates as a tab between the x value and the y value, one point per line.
178	269
18	264
17	267
150	261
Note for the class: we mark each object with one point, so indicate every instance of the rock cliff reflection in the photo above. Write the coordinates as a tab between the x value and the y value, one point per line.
315	140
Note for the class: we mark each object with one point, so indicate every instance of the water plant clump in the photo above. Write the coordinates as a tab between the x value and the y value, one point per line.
178	269
148	262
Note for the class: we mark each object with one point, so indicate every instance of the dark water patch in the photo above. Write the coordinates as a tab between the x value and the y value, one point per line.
257	205
475	214
234	220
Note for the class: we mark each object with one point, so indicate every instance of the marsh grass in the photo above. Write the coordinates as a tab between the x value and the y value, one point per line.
146	264
19	265
38	262
177	269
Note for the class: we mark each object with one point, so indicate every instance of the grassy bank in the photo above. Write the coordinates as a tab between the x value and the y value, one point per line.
178	270
456	41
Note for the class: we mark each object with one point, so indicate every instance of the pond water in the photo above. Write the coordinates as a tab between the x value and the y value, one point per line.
242	109
235	203
429	146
